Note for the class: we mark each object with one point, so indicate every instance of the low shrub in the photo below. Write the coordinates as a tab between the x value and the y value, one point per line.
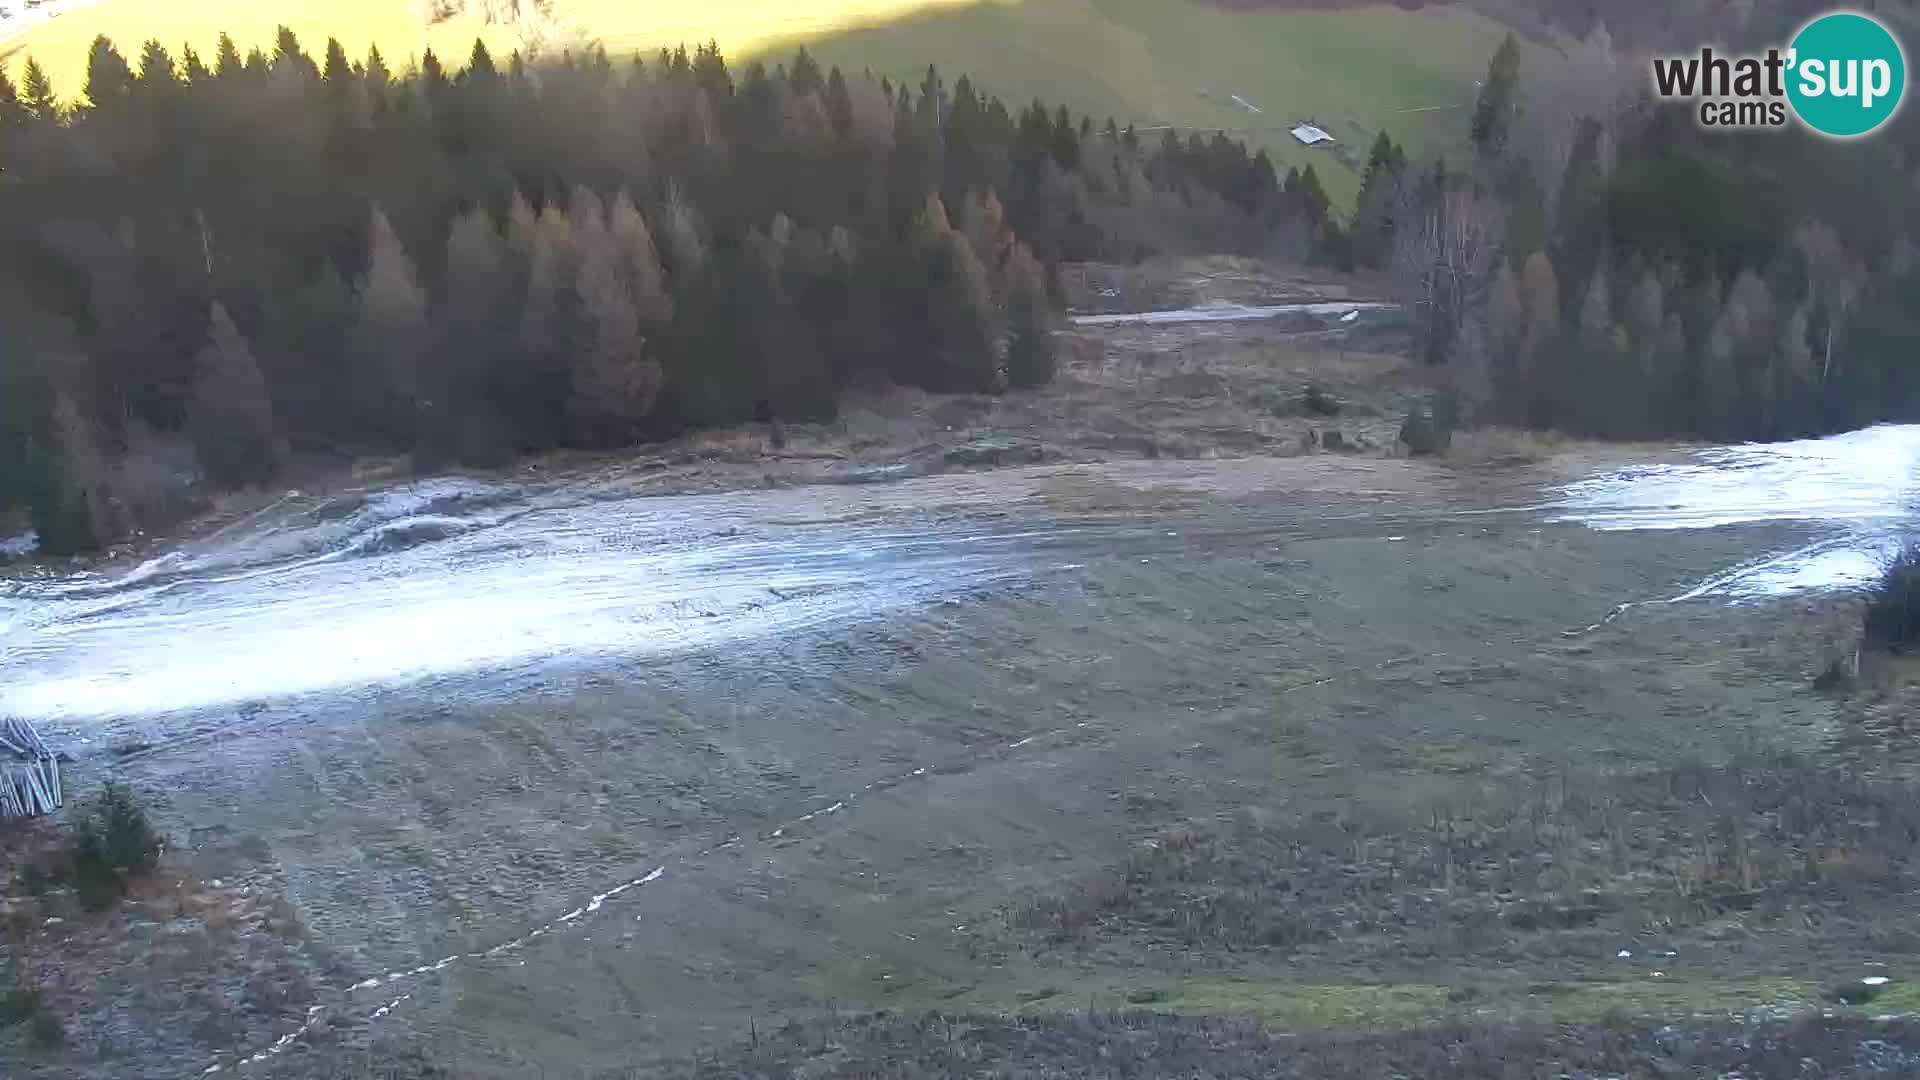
47	1032
112	844
1893	608
18	1006
1316	401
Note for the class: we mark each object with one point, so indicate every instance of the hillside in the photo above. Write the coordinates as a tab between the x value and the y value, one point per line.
1148	62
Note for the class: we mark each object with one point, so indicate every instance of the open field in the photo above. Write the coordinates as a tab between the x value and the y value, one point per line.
1358	70
1278	713
1210	752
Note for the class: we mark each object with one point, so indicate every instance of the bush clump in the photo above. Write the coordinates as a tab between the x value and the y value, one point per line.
1893	608
112	844
25	1007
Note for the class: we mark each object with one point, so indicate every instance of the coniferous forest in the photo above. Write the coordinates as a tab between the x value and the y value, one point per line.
212	266
1596	262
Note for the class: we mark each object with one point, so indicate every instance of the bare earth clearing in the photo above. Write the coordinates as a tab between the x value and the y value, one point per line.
1180	715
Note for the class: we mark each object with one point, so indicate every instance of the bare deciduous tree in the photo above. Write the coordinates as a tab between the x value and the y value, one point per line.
1833	283
1446	254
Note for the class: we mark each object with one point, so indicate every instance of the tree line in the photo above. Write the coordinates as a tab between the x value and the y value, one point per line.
1598	263
211	267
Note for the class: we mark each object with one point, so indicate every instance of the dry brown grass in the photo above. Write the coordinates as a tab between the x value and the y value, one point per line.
1495	448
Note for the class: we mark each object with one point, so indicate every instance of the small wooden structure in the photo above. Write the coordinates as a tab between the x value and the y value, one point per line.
1310	133
29	773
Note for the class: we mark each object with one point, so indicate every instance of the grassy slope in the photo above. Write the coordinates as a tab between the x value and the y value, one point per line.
1142	61
1148	62
61	44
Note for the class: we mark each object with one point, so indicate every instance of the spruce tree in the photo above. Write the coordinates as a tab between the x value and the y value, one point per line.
839	104
613	381
684	251
109	79
192	68
1541	371
232	415
12	112
958	331
157	72
473	331
226	58
36	94
68	503
1493	112
1030	344
337	72
640	264
1504	329
390	339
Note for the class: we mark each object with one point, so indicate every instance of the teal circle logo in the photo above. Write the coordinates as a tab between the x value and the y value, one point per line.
1847	74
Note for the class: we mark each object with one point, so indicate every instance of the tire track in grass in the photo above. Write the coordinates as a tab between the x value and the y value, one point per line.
415	977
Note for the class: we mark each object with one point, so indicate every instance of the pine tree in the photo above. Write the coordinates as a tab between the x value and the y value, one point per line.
36	94
337	72
1719	380
1593	400
226	58
12	112
109	79
473	329
232	414
839	104
1374	207
1544	377
587	214
640	266
1030	345
523	225
68	498
1796	378
157	73
805	76
480	63
685	252
614	383
960	324
1646	312
1493	112
378	76
390	339
305	358
1504	331
796	381
984	221
549	331
1671	376
192	68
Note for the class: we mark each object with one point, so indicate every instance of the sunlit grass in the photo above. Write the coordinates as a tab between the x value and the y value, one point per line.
739	26
61	44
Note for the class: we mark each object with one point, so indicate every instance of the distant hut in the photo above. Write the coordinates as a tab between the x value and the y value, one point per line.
1310	133
29	773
